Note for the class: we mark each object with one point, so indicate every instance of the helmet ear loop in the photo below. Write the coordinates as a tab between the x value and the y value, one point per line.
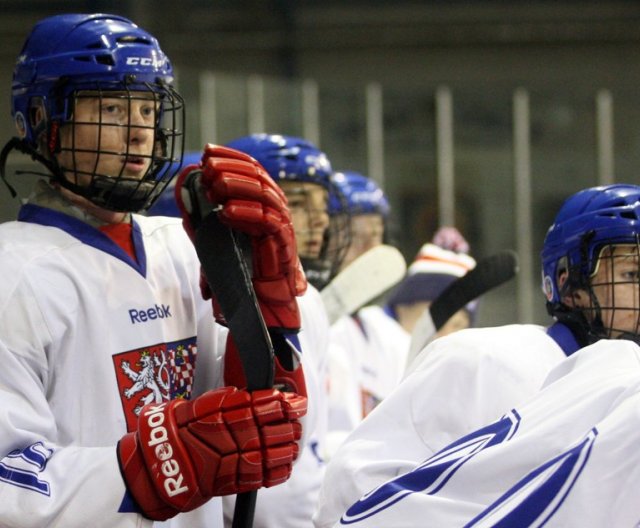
598	325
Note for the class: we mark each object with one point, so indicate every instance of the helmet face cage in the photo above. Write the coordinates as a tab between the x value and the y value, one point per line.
322	269
368	207
590	262
117	191
611	290
75	60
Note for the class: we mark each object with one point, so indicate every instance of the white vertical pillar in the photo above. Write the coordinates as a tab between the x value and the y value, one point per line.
445	156
604	135
208	114
311	112
375	132
523	196
255	104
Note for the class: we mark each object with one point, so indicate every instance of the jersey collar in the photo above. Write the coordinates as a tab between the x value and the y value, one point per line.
561	334
87	234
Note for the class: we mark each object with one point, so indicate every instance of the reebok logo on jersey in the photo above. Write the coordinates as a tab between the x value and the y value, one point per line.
156	312
163	450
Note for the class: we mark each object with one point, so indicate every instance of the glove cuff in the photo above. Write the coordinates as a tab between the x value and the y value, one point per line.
289	380
281	318
138	482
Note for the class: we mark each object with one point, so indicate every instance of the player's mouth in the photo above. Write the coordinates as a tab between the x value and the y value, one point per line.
313	247
135	165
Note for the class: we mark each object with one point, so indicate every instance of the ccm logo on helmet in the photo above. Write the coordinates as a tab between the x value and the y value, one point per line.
164	452
144	61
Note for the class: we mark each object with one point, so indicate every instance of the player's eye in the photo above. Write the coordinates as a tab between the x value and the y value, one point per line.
112	110
110	107
296	201
630	275
147	111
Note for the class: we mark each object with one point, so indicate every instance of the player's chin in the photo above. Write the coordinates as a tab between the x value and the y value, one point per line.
312	249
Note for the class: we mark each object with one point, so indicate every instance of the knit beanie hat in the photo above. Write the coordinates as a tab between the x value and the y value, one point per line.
433	269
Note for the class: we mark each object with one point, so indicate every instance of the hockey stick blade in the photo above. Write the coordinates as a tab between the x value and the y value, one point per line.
367	277
229	278
489	273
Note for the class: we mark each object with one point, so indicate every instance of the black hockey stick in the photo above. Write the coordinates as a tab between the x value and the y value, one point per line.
224	262
489	273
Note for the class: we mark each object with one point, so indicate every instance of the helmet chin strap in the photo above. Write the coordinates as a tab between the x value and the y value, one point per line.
24	147
317	271
574	320
114	194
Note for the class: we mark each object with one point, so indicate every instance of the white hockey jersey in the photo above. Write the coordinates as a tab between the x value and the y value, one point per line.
457	384
368	356
87	337
567	457
388	348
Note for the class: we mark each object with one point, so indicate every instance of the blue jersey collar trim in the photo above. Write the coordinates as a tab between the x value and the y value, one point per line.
87	234
561	334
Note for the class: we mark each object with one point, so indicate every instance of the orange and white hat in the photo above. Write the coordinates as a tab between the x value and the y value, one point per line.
433	269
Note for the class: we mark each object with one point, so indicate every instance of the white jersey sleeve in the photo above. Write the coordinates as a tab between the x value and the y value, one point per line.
87	337
566	457
464	380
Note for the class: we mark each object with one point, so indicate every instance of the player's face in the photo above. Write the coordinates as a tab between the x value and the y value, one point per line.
111	136
367	231
308	206
615	284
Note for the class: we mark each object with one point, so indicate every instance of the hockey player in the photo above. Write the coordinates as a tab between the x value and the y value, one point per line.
103	420
567	456
367	208
466	380
367	353
303	172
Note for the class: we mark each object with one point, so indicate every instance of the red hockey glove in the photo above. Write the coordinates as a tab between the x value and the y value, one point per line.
226	441
252	203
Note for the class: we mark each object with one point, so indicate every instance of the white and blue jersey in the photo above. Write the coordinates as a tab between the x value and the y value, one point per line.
87	337
567	456
457	384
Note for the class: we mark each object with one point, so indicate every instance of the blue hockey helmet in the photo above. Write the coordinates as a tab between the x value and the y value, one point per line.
289	158
363	195
70	56
587	222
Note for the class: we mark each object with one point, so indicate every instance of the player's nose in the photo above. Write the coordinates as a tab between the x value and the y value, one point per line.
319	218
